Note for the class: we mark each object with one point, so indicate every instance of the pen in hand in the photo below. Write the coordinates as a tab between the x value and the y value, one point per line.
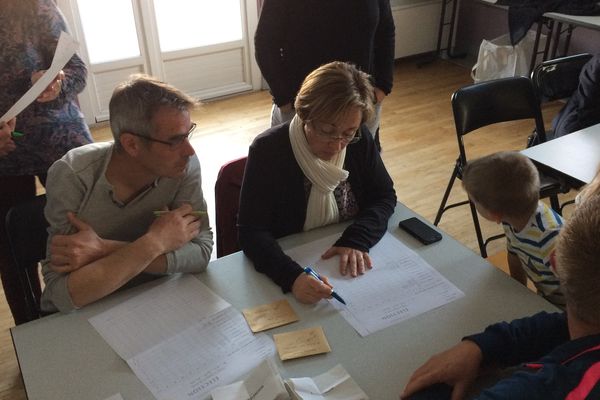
196	213
311	272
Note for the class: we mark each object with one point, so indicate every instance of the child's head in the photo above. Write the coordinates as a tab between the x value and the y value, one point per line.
578	261
504	184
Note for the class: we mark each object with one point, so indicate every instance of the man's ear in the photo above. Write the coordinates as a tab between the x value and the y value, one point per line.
129	143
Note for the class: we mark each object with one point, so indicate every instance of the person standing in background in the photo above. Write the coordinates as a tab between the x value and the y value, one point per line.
295	37
50	126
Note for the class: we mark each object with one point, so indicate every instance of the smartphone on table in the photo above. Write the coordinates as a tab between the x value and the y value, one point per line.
420	230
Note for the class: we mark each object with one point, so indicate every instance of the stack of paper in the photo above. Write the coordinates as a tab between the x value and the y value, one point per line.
182	340
401	284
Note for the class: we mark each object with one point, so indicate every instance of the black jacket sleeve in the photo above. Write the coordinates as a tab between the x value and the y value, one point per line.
269	42
374	188
527	339
384	48
261	217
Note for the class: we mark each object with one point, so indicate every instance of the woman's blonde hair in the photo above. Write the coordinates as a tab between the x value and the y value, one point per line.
330	90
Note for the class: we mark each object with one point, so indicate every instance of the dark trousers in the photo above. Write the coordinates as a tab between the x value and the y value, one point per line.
14	190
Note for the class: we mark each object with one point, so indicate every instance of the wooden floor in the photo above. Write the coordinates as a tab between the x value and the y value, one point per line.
419	150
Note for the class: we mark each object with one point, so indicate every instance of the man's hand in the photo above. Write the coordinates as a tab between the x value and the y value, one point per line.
286	108
379	95
174	229
70	252
355	261
6	142
53	89
457	367
309	290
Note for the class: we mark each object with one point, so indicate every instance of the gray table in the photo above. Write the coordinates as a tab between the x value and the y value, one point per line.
62	356
575	156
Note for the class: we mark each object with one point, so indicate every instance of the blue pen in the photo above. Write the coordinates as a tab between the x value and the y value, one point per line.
311	272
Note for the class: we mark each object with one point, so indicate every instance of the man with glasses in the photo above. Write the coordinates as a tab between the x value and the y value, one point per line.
126	212
321	168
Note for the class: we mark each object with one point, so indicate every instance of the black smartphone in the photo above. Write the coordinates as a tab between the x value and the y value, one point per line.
420	230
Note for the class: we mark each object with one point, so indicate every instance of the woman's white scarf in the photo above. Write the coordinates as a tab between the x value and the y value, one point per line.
325	176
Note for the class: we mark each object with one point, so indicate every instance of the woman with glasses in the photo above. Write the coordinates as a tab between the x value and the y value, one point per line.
321	168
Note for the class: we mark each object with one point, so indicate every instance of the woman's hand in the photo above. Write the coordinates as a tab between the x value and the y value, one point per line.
309	290
53	89
457	367
355	261
6	142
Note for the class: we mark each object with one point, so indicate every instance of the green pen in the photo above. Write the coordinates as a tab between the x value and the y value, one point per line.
16	134
197	213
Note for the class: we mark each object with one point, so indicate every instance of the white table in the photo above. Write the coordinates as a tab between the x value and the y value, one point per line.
62	356
575	156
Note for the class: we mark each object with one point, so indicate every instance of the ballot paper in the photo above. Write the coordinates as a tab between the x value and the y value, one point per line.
270	315
264	383
335	384
182	340
66	47
401	284
302	343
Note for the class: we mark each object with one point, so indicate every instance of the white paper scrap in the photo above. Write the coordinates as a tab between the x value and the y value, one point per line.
335	384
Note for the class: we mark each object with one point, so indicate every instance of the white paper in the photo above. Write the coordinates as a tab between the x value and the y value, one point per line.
401	284
182	340
155	315
66	47
264	383
335	384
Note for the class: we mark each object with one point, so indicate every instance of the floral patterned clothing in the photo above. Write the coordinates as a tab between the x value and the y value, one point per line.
29	32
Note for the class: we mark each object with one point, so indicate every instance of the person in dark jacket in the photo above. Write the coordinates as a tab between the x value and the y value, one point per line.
321	168
565	345
583	108
295	37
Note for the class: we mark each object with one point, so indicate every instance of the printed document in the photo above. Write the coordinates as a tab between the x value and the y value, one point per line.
182	340
401	284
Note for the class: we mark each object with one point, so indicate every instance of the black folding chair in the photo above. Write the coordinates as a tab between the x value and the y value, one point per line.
557	79
488	103
26	227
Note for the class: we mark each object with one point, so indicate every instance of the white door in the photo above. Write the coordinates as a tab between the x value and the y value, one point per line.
203	47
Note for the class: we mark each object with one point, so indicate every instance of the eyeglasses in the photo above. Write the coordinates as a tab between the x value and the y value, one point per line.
174	142
326	132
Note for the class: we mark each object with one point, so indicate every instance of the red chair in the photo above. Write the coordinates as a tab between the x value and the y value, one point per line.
227	199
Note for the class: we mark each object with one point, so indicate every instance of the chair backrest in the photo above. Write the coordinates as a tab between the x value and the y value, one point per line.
227	199
558	78
494	101
27	233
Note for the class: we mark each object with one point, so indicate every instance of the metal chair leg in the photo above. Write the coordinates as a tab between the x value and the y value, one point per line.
482	249
441	210
555	204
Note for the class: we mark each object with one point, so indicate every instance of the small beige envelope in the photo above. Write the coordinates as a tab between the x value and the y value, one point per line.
306	342
270	315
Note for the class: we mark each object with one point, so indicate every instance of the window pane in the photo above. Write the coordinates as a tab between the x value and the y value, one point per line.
109	29
184	24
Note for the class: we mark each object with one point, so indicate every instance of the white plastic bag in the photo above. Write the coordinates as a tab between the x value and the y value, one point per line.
499	59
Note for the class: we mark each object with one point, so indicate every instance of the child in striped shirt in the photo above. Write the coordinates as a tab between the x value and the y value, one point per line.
504	187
